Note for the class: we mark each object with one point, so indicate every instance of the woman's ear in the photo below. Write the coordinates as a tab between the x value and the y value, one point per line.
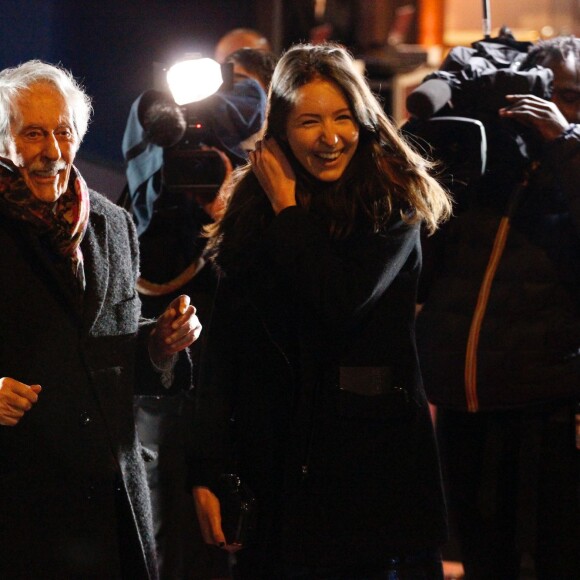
284	145
280	138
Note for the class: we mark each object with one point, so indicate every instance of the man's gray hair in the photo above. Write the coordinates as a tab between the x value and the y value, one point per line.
556	49
14	81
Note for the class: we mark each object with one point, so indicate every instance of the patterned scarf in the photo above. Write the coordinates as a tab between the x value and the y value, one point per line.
64	222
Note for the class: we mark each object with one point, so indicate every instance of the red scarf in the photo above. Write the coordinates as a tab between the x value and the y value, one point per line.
64	221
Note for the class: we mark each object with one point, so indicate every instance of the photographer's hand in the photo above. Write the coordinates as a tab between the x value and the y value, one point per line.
538	113
274	173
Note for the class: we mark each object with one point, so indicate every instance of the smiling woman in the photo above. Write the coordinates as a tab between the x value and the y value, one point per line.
322	132
310	390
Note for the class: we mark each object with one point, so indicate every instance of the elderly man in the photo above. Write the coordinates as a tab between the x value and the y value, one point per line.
73	493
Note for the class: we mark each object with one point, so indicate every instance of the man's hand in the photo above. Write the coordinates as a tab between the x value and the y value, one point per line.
176	329
538	113
207	507
15	399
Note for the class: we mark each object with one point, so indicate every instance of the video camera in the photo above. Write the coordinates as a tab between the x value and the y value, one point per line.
455	112
194	159
196	162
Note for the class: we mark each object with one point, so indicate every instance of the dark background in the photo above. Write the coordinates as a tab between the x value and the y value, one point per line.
111	47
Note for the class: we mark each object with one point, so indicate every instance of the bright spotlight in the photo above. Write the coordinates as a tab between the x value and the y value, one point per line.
194	80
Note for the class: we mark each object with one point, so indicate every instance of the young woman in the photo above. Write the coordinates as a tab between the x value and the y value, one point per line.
312	393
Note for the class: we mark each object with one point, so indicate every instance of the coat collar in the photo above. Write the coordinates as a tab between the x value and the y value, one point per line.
95	248
96	264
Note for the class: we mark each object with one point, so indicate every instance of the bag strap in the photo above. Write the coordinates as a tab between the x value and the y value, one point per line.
499	244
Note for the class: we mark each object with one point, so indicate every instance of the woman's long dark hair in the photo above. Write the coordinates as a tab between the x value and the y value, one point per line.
385	173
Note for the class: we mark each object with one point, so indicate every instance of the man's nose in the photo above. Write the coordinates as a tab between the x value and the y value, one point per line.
51	149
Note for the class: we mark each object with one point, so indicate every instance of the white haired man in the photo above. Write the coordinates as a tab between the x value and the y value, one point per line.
73	494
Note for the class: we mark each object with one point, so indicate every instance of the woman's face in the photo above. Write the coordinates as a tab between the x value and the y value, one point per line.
321	130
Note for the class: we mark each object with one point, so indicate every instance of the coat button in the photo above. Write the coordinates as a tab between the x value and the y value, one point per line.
85	419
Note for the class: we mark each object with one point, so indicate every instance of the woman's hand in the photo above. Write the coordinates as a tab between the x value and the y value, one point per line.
274	173
207	507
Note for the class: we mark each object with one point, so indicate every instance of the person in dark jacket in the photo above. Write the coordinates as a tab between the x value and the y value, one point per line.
238	38
171	244
310	391
156	124
499	341
73	495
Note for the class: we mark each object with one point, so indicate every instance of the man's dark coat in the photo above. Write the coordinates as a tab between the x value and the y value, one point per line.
73	460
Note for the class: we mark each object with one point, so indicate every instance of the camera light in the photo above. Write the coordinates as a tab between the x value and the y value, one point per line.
194	80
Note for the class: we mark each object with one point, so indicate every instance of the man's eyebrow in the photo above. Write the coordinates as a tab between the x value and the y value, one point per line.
31	126
64	124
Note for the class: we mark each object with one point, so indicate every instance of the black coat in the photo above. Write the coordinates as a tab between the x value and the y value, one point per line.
529	345
312	393
73	460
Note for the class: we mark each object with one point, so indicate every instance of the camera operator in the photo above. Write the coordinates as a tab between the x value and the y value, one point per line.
238	38
499	339
169	221
254	64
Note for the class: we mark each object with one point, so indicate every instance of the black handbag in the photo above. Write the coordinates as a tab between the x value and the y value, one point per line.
238	509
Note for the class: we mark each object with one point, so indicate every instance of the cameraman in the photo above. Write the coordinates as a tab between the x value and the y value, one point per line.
501	353
170	223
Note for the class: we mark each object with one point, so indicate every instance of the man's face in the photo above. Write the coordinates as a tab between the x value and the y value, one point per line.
43	141
241	73
567	87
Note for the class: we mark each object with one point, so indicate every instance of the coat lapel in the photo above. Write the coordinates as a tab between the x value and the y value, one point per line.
96	262
48	272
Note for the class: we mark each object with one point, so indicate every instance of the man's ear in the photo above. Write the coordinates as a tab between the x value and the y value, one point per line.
8	150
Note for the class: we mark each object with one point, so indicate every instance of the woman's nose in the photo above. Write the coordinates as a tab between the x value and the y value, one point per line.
329	135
